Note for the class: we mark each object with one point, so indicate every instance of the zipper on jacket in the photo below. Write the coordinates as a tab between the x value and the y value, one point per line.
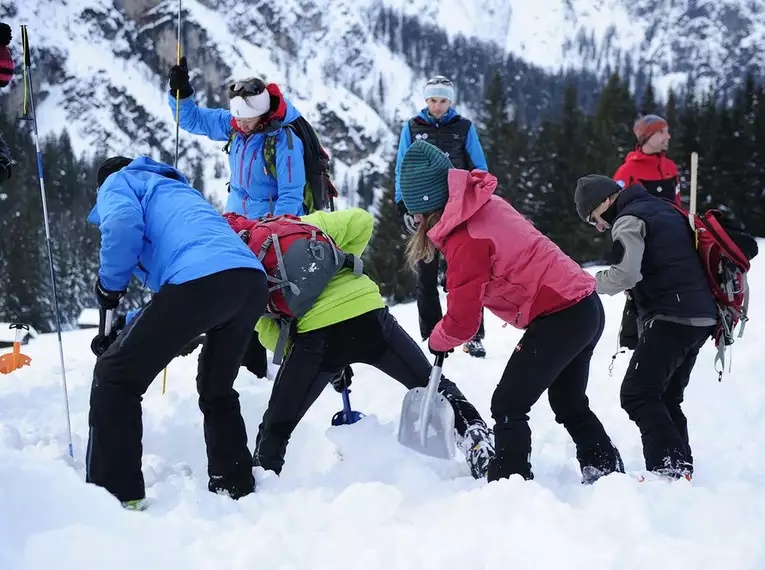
249	171
241	161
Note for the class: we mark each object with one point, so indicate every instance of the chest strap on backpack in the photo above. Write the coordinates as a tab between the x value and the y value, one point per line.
354	263
280	282
287	328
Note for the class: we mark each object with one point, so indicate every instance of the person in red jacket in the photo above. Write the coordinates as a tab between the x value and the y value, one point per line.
647	165
498	260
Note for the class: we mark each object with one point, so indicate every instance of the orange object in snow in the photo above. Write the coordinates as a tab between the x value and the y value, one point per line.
15	360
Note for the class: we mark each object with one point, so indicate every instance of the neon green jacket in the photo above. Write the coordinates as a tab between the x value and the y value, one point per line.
346	296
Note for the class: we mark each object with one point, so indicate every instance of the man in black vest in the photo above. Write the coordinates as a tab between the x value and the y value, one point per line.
655	257
440	125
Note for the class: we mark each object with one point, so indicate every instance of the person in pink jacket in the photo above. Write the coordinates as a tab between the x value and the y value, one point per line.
496	259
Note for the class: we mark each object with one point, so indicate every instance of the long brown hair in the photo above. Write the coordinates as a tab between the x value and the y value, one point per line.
420	248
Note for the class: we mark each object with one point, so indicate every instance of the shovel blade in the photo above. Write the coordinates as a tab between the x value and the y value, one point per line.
10	362
342	418
439	440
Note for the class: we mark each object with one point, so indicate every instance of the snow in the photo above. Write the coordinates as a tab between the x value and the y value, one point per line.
352	497
88	318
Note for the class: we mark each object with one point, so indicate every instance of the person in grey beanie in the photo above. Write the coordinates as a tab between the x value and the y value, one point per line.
655	258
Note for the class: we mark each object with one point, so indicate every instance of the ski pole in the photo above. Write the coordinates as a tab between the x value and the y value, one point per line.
177	138
28	89
178	98
694	183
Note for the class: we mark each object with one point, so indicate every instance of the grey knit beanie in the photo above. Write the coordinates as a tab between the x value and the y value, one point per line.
591	191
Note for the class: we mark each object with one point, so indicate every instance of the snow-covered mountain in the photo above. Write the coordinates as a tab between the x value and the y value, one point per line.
101	65
715	43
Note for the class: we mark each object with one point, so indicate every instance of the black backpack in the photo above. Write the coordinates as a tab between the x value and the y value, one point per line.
319	192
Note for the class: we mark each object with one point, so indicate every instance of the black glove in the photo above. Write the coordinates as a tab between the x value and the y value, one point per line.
5	172
342	380
401	209
440	352
405	218
108	300
5	34
628	333
179	80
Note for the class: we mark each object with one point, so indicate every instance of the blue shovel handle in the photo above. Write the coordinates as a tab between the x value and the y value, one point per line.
347	416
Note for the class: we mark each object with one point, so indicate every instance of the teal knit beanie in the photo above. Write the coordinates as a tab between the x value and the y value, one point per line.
424	178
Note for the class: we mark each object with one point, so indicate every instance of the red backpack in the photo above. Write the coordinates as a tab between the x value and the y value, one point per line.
726	267
300	260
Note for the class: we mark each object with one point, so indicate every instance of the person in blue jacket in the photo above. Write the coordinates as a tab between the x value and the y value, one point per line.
256	111
205	280
440	125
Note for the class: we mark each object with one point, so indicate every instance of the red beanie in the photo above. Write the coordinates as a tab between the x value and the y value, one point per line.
646	126
6	61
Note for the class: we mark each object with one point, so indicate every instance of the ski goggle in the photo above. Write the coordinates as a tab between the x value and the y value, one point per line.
245	87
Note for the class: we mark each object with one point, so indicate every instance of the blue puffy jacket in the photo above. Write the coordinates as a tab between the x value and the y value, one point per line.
472	144
155	225
253	191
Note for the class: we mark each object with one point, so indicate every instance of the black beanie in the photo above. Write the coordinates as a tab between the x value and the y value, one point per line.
591	191
110	166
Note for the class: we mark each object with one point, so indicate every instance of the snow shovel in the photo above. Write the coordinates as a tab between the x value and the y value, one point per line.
427	418
15	360
346	416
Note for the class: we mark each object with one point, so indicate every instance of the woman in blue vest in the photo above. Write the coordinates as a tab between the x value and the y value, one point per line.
256	111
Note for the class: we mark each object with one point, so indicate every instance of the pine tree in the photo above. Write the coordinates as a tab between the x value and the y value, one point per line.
385	257
648	103
563	157
493	130
612	125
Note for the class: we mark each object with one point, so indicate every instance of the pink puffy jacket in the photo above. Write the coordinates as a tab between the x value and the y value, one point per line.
497	259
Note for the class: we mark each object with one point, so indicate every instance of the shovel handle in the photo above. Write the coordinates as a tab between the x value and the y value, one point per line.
430	397
105	321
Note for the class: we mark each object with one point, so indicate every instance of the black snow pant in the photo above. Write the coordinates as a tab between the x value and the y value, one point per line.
224	306
554	355
255	357
653	390
428	302
315	357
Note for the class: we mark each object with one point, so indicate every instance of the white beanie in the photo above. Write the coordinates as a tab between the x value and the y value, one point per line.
439	86
250	106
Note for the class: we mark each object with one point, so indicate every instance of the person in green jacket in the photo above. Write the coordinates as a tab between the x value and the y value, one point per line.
349	323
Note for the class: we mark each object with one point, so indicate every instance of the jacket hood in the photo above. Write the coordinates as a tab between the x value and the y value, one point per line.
468	192
638	155
142	164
